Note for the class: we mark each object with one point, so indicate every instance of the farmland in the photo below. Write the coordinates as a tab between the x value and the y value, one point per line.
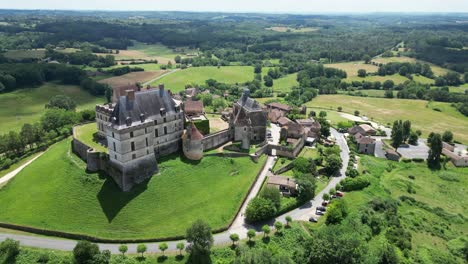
198	75
385	111
133	77
64	197
284	84
438	71
351	68
26	105
396	78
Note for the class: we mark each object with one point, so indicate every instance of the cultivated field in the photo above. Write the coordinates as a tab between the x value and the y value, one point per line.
27	105
158	52
351	68
385	111
133	77
25	54
64	197
295	30
438	71
198	75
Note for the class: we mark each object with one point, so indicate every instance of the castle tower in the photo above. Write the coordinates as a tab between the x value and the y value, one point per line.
192	142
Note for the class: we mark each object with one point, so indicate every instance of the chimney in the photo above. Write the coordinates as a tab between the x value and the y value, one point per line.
245	94
161	90
130	95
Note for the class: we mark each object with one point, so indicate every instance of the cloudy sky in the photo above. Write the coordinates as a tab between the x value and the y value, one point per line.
277	6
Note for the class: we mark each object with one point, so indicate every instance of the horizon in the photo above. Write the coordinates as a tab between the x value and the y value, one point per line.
246	6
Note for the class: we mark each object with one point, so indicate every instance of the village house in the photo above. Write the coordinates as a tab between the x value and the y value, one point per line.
193	109
311	127
392	155
363	129
276	111
286	185
366	145
457	153
283	121
191	92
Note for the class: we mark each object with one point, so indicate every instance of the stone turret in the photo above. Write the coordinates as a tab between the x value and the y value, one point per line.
192	142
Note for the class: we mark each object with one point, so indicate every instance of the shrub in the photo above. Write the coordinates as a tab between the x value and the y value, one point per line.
9	249
354	184
85	251
259	209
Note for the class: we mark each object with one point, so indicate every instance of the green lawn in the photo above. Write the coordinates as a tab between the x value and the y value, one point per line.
26	105
284	84
387	110
85	133
198	75
423	79
352	68
16	165
459	89
55	192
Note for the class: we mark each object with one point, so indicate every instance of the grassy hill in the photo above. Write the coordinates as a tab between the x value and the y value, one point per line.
198	75
26	105
64	197
385	111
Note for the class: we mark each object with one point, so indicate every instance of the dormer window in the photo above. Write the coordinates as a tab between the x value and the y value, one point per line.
128	121
162	111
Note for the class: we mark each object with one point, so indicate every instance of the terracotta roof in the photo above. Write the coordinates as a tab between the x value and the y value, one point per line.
193	107
280	180
392	152
366	140
274	115
280	106
367	128
282	121
195	133
295	128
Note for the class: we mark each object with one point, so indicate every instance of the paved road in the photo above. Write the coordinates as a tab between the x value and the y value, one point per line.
239	226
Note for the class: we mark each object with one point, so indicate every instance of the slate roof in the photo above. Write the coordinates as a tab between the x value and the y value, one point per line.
147	104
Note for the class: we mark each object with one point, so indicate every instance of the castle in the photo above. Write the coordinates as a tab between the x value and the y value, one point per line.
145	125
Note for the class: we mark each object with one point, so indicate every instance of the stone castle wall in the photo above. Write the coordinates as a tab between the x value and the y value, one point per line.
217	139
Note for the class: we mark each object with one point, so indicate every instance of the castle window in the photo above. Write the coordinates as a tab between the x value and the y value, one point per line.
146	141
113	135
156	132
133	156
133	146
165	130
147	152
164	120
131	134
114	146
155	122
115	156
146	130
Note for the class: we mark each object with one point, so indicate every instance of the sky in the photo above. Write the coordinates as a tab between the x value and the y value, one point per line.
266	6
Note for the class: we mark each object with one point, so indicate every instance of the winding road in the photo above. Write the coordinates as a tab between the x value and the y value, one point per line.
239	226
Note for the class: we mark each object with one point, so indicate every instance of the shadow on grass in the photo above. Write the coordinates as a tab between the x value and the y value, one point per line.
112	199
266	240
161	259
179	258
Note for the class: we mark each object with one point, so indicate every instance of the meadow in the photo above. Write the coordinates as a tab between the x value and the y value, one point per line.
396	78
438	71
132	78
27	105
351	68
421	113
285	83
64	197
85	133
198	75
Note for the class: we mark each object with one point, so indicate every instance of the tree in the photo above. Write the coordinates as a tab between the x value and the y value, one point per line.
306	185
123	249
388	84
61	101
163	247
27	134
332	191
266	230
356	113
337	212
259	209
9	249
258	69
447	136
323	114
177	59
325	127
273	195
389	93
268	81
397	134
108	92
413	138
84	252
201	240
288	220
333	164
180	246
340	108
367	59
406	130
326	196
234	238
251	234
433	160
403	71
141	248
362	73
278	226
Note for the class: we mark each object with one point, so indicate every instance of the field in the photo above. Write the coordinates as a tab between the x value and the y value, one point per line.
64	197
16	165
198	75
438	71
423	80
370	92
396	78
26	105
351	68
85	133
284	84
132	78
459	89
434	226
386	111
295	30
25	54
150	52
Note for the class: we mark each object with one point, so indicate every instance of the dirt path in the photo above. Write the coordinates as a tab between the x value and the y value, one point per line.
12	174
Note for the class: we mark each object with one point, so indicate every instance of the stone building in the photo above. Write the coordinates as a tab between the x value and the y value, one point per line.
192	143
366	145
143	126
248	121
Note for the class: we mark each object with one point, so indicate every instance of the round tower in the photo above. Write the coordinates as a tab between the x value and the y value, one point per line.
192	143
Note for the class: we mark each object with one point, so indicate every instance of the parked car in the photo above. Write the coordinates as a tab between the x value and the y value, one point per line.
321	208
318	212
313	220
339	194
325	203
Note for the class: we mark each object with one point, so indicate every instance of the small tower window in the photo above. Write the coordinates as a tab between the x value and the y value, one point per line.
156	132
165	130
115	149
146	141
131	134
133	156
133	146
